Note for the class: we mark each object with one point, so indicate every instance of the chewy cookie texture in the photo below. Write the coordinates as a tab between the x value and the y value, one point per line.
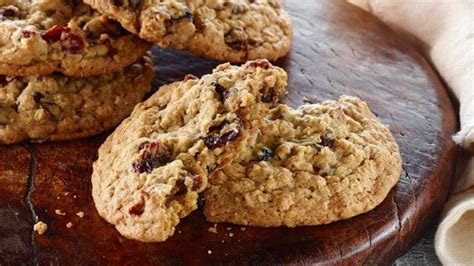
55	107
314	165
38	37
233	31
151	169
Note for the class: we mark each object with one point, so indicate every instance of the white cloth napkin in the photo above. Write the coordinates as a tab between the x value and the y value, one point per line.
444	31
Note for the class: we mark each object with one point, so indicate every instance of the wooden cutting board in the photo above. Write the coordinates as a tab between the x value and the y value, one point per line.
337	50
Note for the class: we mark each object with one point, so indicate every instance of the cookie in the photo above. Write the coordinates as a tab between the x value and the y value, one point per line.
56	107
234	31
38	37
151	169
314	165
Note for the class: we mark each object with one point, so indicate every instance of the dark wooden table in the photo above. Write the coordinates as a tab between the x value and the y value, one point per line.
338	49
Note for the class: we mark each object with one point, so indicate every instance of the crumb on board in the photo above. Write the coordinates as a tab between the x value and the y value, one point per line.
229	228
243	228
66	193
74	196
40	227
213	229
80	214
59	212
209	251
231	234
69	225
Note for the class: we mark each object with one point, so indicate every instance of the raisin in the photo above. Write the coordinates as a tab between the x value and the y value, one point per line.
219	135
263	63
221	91
327	142
180	187
190	77
152	155
139	208
8	13
269	96
265	154
117	2
235	38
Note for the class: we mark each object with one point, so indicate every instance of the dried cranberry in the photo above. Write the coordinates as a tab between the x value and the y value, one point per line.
239	45
263	63
70	42
152	155
73	43
219	135
27	33
54	33
197	185
190	77
265	154
137	209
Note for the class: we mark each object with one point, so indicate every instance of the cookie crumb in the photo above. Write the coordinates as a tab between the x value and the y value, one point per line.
69	225
209	251
229	228
80	214
179	231
74	196
66	193
40	227
243	228
59	212
231	234
213	229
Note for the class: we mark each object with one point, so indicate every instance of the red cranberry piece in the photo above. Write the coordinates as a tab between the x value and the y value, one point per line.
55	33
73	43
152	155
263	63
139	208
190	77
69	41
27	33
220	135
197	185
221	91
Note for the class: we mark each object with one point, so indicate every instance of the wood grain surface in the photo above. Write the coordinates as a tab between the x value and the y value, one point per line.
338	49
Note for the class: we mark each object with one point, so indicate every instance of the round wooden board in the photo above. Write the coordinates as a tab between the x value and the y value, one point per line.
338	49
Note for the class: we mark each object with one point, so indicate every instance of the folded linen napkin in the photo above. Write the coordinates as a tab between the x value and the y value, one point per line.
443	30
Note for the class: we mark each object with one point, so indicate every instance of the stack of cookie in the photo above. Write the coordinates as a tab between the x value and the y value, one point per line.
257	162
66	71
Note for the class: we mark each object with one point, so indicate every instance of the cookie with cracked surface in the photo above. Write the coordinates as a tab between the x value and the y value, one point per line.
314	165
151	169
38	37
56	107
234	31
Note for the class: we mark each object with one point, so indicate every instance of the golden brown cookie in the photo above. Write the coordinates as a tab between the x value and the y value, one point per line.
234	31
314	165
151	169
38	37
56	107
